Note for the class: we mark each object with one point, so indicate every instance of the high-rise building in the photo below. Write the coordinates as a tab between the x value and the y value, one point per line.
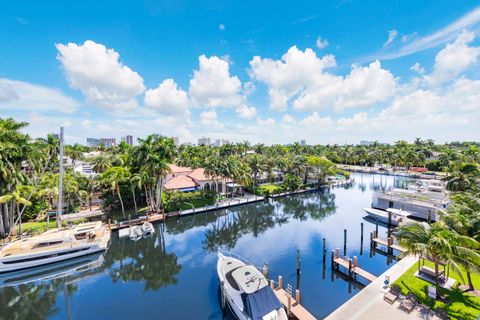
108	142
221	142
129	140
203	141
302	142
176	141
92	142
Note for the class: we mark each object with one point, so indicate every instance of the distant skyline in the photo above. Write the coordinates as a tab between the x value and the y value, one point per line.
327	72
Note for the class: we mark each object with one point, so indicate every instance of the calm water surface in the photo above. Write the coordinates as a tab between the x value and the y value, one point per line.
172	274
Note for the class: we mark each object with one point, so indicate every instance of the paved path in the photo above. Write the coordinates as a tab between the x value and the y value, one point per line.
368	304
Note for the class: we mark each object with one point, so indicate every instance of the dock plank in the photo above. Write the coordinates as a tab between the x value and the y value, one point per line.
363	273
297	309
385	243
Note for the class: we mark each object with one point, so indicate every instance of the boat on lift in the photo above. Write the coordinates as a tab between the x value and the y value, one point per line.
246	290
398	216
55	245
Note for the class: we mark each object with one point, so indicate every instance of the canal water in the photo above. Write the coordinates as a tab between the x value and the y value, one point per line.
172	275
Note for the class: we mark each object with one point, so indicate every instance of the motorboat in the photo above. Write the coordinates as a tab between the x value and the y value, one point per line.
398	216
246	290
135	232
54	246
147	228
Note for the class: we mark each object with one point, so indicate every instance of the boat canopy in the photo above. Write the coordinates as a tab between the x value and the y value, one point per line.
249	279
260	303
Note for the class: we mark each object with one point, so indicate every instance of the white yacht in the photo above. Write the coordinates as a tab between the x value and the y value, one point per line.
398	216
54	246
247	291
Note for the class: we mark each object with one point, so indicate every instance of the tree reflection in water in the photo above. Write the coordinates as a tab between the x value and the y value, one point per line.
144	260
257	218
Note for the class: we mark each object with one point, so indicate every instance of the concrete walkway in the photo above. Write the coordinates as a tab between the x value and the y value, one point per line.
368	304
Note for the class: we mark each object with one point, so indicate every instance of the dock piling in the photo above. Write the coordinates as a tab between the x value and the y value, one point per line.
298	261
344	242
280	282
376	227
324	248
297	296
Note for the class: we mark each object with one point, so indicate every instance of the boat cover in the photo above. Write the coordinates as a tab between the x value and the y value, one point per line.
260	303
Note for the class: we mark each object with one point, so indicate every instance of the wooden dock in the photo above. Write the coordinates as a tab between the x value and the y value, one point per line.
292	305
388	245
125	224
353	270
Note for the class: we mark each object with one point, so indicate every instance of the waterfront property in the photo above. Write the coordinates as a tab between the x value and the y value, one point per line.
177	263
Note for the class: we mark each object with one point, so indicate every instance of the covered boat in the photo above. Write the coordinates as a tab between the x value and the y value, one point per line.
247	291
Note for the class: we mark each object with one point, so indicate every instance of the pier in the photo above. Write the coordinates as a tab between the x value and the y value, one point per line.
351	265
138	221
389	243
292	305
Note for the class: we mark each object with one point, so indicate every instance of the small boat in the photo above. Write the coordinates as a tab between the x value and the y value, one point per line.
147	228
247	291
398	216
135	232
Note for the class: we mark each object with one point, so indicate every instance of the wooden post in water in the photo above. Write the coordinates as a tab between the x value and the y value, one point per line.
324	249
272	284
298	261
297	296
376	227
355	261
280	282
289	304
344	242
349	267
389	219
361	238
333	258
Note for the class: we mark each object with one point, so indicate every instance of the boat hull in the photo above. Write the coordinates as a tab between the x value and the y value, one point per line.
41	259
380	215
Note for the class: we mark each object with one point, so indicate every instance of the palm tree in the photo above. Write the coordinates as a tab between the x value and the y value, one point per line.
157	153
75	152
464	176
438	244
463	216
19	200
101	163
113	178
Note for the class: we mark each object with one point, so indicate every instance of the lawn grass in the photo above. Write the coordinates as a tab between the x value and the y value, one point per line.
459	305
267	188
35	226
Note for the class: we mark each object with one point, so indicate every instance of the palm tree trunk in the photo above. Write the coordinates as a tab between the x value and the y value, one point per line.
2	228
437	280
470	283
134	200
161	193
121	201
157	194
19	221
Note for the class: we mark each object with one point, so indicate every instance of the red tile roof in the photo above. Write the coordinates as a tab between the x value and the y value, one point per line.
199	175
178	169
180	182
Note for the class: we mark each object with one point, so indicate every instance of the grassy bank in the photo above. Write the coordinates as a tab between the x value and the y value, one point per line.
459	305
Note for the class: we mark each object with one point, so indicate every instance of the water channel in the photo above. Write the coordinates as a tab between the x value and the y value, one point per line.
171	275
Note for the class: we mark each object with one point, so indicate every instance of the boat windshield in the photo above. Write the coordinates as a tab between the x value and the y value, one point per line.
260	303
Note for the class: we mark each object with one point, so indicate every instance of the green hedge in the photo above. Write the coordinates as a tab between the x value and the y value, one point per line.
175	201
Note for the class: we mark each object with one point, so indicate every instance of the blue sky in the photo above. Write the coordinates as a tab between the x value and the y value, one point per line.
324	71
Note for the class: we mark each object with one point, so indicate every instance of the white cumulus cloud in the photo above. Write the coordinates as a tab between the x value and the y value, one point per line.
246	112
287	77
213	86
100	75
167	99
455	58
